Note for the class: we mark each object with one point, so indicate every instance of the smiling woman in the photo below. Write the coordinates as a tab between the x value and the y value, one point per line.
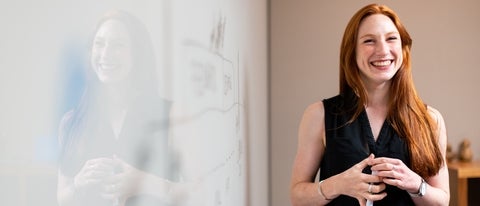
114	142
379	50
376	141
112	52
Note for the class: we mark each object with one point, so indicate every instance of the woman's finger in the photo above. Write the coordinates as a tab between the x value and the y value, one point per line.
365	162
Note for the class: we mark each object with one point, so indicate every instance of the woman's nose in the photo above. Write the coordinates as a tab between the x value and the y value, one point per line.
381	48
107	51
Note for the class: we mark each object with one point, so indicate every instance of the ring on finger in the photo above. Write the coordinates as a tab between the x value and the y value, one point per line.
369	187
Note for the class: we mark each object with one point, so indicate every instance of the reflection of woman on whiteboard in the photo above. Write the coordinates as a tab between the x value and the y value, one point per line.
114	142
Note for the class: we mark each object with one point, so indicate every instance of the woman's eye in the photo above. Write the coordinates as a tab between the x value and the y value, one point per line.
117	45
368	41
392	38
99	44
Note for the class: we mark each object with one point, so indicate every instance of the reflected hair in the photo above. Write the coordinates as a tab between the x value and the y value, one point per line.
88	116
407	113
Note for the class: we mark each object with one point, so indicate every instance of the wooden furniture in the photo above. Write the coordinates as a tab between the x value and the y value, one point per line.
459	173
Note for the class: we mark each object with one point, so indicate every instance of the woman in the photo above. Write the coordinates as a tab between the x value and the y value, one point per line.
114	143
376	142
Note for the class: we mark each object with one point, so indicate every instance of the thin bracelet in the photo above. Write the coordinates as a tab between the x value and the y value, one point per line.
320	191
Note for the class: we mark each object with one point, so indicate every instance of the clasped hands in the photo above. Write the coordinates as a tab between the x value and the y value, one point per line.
110	178
363	187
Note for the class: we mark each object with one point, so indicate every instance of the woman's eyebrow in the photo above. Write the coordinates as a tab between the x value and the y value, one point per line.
373	35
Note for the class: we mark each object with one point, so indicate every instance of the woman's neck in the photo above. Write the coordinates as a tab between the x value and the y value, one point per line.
378	95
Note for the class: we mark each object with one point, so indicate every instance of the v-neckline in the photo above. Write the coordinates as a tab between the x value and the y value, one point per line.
117	124
369	125
370	139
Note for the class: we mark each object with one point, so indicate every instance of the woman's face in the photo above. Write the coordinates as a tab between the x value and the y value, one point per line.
378	49
112	52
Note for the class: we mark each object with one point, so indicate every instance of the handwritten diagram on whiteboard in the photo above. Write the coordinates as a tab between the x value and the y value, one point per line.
208	135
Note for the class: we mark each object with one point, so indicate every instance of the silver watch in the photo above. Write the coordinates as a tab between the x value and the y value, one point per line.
421	191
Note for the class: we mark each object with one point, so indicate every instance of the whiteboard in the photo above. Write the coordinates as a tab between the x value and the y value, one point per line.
209	127
212	65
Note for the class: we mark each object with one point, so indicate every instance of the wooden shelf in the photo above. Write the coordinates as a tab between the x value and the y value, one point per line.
459	173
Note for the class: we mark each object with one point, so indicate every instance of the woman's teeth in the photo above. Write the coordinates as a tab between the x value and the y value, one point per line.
108	66
382	63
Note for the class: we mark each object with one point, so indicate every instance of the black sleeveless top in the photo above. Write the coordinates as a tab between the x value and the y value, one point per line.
142	143
349	143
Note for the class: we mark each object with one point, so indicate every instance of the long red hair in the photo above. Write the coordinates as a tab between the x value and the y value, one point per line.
407	112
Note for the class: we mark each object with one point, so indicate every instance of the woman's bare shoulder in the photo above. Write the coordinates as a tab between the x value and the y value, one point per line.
314	110
313	117
435	114
64	124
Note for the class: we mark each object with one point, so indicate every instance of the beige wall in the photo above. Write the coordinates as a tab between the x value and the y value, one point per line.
304	45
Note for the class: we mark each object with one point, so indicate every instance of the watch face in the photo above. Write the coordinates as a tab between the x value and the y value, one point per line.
423	188
421	191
